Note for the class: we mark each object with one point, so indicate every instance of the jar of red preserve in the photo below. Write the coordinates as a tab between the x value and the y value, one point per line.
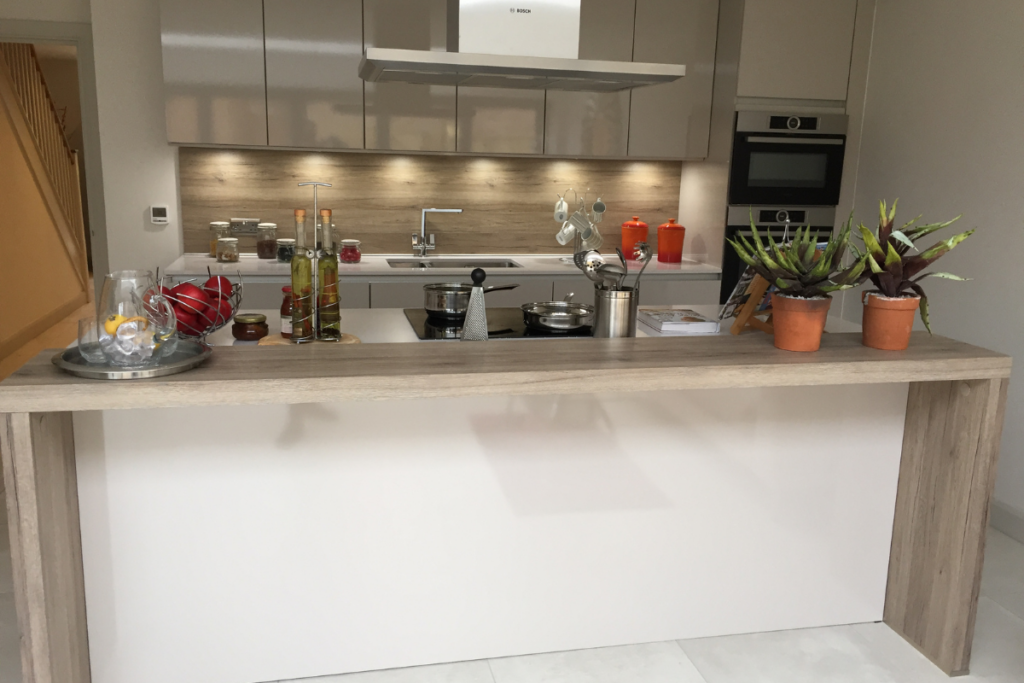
350	252
286	313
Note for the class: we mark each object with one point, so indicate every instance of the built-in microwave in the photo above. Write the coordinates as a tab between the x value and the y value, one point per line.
788	160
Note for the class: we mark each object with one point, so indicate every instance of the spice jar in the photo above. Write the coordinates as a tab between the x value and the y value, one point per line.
218	229
266	241
286	313
250	327
632	232
350	252
227	250
670	242
285	250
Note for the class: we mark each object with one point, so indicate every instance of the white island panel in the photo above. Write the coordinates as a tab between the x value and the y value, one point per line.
259	543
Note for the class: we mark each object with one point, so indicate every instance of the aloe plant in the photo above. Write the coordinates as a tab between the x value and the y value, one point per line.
893	269
798	268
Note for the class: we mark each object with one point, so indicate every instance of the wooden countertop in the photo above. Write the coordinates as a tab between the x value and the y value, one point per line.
306	374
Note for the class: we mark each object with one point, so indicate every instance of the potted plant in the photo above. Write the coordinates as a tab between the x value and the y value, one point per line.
804	276
897	274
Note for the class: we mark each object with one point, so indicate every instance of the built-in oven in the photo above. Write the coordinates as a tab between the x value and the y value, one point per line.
779	222
784	160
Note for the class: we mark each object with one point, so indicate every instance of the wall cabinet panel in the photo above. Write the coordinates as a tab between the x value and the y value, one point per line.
408	116
214	83
500	121
796	49
314	93
594	124
674	120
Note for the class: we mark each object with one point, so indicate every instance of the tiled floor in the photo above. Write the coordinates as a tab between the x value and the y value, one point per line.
862	653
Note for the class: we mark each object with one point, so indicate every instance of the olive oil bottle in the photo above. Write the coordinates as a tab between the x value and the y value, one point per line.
303	308
328	306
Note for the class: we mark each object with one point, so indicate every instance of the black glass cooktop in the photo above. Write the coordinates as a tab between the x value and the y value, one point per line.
502	323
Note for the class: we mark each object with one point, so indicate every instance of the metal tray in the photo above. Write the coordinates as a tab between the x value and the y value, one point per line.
188	355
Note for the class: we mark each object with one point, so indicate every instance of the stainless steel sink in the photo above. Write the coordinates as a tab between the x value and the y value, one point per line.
468	264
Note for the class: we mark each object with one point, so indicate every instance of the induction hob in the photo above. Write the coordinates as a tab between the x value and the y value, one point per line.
502	323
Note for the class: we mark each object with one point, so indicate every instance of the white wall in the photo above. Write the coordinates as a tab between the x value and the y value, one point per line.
942	131
139	167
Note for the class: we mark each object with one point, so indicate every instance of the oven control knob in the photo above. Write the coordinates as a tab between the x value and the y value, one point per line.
793	123
782	216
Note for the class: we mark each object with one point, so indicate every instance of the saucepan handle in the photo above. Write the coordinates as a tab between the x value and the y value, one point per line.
488	290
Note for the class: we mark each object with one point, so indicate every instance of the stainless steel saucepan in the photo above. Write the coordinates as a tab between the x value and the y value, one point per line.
449	300
561	316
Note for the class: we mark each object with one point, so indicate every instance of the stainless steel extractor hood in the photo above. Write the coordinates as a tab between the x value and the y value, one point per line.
533	45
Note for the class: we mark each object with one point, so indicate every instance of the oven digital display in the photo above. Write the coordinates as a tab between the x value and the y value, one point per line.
778	169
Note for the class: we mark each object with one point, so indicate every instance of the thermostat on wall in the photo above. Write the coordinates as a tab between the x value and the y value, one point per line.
158	215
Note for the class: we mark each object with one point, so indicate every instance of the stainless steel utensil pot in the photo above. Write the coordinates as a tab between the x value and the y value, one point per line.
615	312
450	300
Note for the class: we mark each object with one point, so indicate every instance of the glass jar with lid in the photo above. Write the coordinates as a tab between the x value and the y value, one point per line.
218	229
350	252
285	250
266	241
227	250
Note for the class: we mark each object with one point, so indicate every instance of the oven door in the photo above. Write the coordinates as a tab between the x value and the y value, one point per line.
793	170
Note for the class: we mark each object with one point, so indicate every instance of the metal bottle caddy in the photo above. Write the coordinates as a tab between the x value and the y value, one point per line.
310	302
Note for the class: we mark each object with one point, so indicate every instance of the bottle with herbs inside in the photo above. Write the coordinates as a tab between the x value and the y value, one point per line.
328	307
303	313
266	241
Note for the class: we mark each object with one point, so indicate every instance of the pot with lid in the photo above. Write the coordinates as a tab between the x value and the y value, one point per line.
449	300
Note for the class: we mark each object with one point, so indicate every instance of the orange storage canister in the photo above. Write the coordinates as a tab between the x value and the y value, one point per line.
632	232
670	242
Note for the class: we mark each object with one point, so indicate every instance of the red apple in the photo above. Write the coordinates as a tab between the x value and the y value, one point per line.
218	286
219	311
191	298
187	322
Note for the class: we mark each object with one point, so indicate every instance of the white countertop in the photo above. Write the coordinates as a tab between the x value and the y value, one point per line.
375	268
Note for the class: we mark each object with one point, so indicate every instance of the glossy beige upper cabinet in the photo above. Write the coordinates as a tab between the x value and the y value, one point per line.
674	120
214	83
314	93
796	49
408	116
594	124
500	121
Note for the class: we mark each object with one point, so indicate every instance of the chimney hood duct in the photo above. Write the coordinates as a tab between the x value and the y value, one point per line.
532	45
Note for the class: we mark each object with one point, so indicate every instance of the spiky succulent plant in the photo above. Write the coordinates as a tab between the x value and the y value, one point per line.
798	268
893	269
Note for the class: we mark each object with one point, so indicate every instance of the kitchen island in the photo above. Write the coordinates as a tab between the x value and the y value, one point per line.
284	512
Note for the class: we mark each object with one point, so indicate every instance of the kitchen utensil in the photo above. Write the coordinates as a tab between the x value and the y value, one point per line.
566	234
642	254
611	274
633	231
622	257
451	300
561	210
591	262
475	326
615	312
187	355
670	242
558	315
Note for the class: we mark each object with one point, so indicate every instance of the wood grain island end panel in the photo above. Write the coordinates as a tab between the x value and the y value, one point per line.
38	453
947	474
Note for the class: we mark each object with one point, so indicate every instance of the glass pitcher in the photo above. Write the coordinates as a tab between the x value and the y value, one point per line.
135	322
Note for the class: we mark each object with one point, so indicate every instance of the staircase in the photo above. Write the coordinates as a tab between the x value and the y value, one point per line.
45	275
22	88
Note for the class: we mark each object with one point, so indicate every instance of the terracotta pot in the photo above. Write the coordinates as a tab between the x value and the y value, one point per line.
888	322
799	323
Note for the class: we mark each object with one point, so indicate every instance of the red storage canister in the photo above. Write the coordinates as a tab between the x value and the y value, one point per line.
670	242
632	232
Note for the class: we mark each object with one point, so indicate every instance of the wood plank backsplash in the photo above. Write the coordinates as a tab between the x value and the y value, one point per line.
507	202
